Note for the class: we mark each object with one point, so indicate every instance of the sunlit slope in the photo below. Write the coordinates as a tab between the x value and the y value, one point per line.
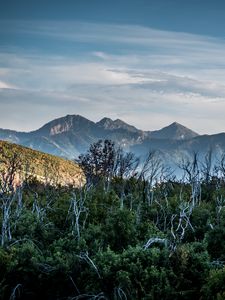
44	167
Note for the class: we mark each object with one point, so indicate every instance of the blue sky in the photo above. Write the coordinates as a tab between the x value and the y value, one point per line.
147	62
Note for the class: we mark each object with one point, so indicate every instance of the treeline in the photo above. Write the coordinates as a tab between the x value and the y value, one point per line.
133	231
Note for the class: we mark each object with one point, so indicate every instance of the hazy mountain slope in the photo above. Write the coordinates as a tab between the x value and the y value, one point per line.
175	131
9	135
71	135
44	167
173	151
205	143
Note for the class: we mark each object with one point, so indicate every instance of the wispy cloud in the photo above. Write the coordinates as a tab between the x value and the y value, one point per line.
92	32
145	76
4	85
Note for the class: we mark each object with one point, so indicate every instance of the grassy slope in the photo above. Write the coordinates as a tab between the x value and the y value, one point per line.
45	167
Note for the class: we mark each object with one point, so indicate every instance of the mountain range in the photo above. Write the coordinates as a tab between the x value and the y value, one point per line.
71	135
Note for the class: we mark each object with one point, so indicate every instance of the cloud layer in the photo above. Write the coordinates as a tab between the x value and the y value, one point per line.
146	77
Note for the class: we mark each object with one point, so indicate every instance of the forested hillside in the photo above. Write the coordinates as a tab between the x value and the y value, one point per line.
131	232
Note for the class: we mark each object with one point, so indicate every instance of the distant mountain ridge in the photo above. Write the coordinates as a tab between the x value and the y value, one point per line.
71	135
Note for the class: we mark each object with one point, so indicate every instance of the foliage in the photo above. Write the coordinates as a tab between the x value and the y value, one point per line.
214	288
119	237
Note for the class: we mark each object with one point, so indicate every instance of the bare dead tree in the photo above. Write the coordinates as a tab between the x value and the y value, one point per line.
207	167
220	205
84	256
163	213
150	174
219	182
220	169
191	175
156	240
182	220
10	191
119	294
37	209
125	165
76	210
99	296
161	191
16	292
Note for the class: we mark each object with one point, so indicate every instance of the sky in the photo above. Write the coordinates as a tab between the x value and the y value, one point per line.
147	62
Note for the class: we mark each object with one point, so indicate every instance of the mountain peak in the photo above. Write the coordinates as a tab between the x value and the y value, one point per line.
109	124
174	131
175	124
63	124
120	122
106	123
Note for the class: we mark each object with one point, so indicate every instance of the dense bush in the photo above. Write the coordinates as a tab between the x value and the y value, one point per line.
119	238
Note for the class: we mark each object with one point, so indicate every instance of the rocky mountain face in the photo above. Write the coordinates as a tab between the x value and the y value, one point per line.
71	135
